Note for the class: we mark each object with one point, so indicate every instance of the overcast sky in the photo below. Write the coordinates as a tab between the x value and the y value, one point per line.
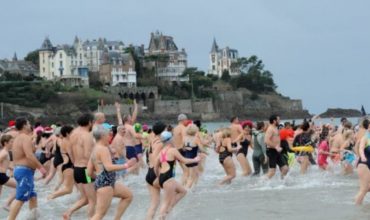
318	50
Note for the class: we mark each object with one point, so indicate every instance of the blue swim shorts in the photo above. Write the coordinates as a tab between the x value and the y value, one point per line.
25	188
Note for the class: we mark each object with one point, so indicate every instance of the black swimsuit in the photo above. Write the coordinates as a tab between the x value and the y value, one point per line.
191	154
58	159
68	165
244	150
43	159
170	173
163	177
223	155
150	176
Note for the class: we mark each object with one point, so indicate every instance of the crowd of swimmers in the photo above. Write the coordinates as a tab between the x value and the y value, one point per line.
94	157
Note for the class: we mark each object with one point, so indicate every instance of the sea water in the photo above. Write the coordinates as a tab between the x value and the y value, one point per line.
316	195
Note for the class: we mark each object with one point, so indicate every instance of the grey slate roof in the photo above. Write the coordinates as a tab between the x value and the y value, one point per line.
159	41
46	45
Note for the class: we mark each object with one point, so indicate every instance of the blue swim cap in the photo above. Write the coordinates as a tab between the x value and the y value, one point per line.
107	126
166	136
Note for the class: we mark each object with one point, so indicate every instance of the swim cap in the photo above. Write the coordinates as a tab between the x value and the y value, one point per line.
11	124
39	129
107	126
137	127
166	136
188	122
48	130
158	127
247	123
182	117
145	127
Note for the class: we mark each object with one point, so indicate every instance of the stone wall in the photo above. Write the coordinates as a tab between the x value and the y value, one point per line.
173	106
110	110
203	106
243	104
135	92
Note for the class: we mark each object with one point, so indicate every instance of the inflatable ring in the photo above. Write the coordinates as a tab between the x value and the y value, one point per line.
291	159
307	149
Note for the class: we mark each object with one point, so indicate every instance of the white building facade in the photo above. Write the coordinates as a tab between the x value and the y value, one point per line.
123	69
94	51
64	63
71	64
170	62
221	60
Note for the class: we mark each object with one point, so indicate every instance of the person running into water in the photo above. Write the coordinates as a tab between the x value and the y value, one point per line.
360	133
226	151
82	143
12	131
337	141
324	150
303	139
155	146
6	142
363	167
139	144
57	159
179	133
348	156
237	134
25	164
272	140
106	186
286	139
118	147
193	145
246	142
67	163
259	157
173	191
130	137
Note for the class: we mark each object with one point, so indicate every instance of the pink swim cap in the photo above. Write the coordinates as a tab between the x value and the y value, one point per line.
39	129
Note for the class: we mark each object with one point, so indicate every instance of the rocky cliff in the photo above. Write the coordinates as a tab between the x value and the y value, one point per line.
338	112
246	104
226	104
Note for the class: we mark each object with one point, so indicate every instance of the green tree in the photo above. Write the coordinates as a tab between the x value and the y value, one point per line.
256	78
226	76
199	82
33	57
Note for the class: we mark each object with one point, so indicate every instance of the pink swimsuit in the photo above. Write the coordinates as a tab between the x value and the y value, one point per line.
322	158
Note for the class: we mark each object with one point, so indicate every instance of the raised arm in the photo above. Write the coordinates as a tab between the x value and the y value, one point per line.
119	116
134	114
